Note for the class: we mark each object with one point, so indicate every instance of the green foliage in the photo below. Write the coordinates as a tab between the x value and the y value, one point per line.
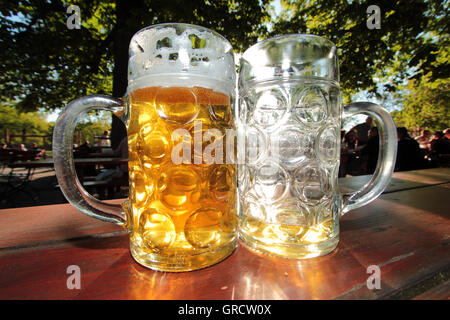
89	129
45	64
427	106
33	123
411	33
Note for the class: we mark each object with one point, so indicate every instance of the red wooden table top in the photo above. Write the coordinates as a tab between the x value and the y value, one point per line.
405	232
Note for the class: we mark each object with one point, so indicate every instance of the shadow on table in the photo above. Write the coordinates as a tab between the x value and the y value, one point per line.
37	192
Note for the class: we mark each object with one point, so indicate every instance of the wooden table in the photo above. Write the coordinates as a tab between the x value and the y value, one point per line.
405	232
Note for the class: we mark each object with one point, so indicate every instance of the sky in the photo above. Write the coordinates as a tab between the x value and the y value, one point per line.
277	6
53	116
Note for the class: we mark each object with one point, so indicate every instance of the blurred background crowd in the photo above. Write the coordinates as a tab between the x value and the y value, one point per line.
360	147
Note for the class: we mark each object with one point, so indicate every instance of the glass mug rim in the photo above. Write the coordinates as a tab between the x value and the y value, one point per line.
288	57
293	36
180	24
214	65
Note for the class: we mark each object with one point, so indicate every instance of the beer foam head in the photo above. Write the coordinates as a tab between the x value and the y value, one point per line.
173	54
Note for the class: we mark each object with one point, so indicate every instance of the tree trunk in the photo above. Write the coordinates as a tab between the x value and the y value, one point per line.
122	37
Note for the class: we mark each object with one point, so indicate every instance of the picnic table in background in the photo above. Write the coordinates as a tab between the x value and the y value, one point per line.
10	155
405	233
12	182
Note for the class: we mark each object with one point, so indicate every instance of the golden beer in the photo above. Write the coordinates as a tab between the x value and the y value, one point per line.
182	216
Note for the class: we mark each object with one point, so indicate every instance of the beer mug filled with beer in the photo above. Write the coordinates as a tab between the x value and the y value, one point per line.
178	109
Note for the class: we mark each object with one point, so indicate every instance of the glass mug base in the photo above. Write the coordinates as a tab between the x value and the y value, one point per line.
290	251
178	263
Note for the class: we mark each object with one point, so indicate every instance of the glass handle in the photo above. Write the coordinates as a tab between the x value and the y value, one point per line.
387	133
64	164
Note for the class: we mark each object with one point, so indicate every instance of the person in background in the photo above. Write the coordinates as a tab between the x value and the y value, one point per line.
104	140
370	151
120	171
408	152
350	161
447	133
4	152
439	149
436	142
22	147
362	131
351	140
424	139
84	149
424	144
40	152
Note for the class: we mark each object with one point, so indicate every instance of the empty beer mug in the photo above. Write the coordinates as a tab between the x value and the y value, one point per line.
181	210
290	115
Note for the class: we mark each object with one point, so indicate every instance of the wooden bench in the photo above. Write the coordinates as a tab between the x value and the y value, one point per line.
101	186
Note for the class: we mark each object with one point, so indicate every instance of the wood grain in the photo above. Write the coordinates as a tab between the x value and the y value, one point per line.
439	292
401	180
37	226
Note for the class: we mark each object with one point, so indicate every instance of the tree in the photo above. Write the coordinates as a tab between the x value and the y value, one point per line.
405	42
35	123
89	129
30	123
45	64
427	106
